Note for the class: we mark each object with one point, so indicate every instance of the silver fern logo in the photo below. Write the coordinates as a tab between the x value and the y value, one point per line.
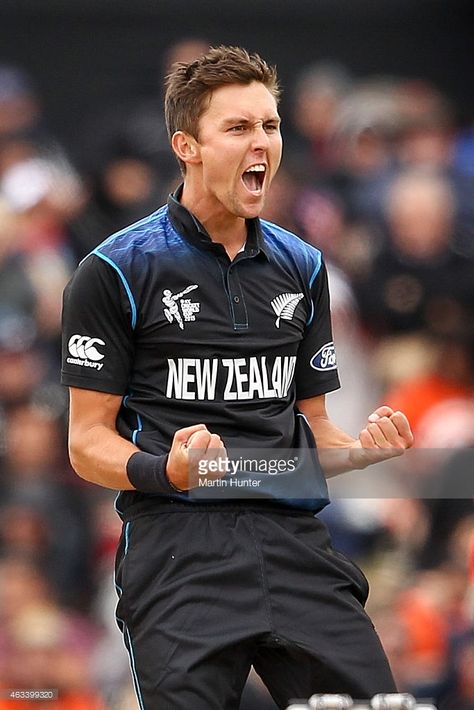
284	306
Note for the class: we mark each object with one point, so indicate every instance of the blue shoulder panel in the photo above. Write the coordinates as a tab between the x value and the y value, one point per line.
119	249
306	256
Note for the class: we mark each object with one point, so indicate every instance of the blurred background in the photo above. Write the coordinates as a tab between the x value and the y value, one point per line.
378	172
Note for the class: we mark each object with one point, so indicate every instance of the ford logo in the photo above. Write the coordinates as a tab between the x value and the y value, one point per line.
325	358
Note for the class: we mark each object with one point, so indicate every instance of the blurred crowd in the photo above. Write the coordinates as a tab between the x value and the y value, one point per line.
377	173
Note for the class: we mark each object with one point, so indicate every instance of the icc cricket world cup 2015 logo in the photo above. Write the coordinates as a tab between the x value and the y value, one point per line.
178	309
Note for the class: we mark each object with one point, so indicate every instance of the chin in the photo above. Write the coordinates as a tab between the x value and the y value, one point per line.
250	211
253	213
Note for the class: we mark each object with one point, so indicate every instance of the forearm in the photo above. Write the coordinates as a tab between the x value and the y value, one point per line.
99	455
387	434
334	447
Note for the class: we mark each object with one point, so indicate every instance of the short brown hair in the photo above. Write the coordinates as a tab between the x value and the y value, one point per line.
189	86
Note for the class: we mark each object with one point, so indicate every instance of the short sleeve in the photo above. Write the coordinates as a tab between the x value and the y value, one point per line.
316	367
97	333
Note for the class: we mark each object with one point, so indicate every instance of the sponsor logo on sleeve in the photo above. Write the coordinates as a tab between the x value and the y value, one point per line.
325	358
84	352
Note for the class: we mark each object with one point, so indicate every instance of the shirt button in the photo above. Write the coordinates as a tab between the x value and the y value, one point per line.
236	299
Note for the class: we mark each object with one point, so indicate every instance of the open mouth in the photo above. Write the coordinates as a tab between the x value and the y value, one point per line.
254	177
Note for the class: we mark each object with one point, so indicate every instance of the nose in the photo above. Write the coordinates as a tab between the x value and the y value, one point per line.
260	139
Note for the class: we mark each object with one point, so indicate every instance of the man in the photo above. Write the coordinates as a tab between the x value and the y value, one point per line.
220	568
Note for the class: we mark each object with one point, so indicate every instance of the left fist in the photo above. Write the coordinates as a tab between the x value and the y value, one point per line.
386	435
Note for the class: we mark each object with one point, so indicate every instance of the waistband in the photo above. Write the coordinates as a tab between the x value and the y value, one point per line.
156	505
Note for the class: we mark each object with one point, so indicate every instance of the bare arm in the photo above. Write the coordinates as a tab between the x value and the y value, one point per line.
386	435
99	454
97	451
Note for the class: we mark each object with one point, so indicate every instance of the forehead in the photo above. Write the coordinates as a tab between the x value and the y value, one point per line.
247	100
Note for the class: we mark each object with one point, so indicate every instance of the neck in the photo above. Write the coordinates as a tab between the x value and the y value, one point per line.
222	226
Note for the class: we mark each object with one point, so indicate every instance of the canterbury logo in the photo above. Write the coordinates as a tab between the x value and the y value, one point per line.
83	347
284	306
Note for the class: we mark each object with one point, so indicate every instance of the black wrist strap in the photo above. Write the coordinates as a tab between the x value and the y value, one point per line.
147	473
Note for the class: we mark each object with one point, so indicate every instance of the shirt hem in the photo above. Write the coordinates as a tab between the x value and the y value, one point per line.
316	391
84	383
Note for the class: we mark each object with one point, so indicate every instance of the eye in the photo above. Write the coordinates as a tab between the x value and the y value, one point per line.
271	127
237	129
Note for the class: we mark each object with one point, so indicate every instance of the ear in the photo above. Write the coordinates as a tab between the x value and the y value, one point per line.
186	147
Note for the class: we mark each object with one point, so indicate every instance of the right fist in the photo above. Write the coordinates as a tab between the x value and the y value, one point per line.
191	447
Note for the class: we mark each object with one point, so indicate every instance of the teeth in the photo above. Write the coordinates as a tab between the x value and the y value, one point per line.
256	169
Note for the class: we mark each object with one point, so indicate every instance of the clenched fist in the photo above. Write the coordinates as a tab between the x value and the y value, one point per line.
192	450
386	435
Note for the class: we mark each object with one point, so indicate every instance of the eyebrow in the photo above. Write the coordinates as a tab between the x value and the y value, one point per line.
240	119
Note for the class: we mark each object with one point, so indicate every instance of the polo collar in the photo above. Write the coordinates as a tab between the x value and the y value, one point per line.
191	228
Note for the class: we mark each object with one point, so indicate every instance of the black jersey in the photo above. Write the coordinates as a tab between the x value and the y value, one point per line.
159	314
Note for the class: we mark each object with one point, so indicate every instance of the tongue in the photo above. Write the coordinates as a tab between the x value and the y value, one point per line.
251	181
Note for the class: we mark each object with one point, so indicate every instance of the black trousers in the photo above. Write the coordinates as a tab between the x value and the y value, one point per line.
207	593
